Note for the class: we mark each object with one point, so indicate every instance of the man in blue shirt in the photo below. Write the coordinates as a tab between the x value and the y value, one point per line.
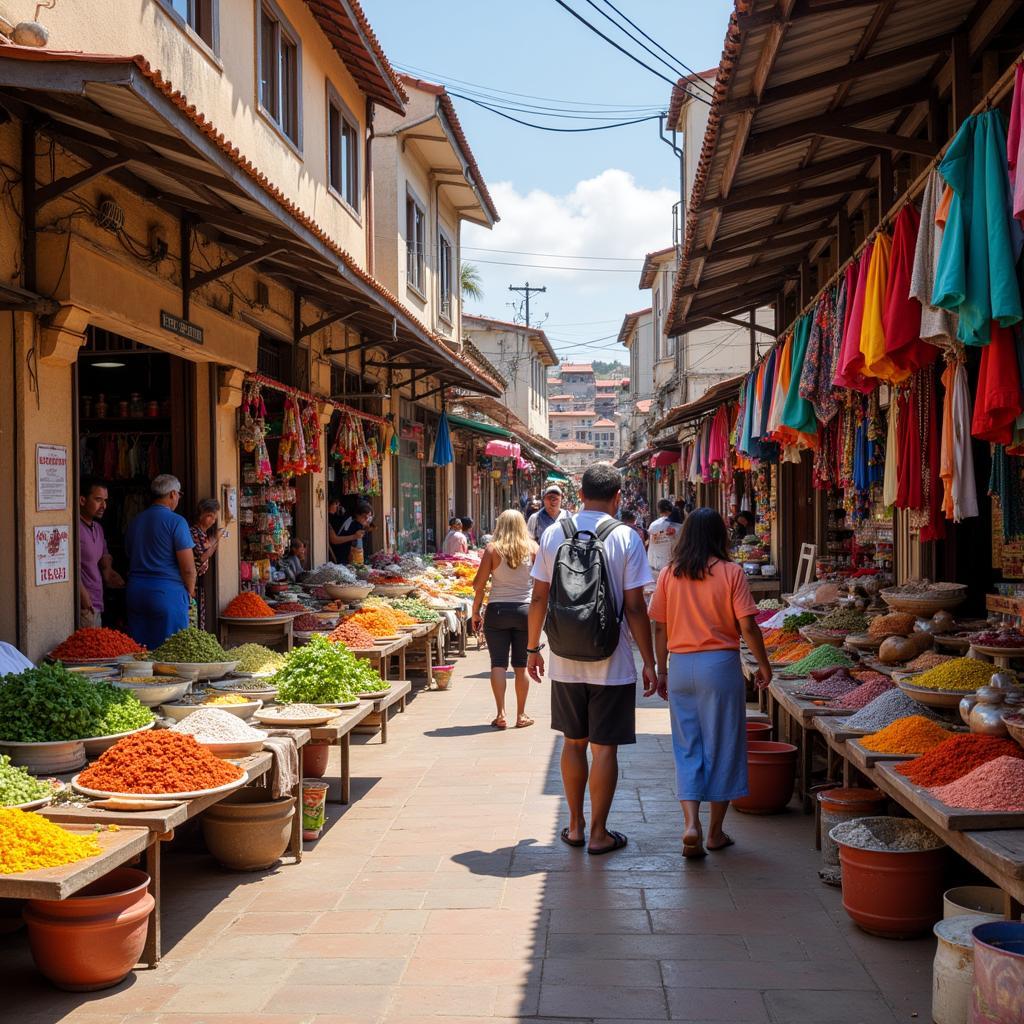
551	513
161	566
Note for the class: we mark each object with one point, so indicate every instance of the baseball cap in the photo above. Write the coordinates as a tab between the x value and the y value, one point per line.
553	489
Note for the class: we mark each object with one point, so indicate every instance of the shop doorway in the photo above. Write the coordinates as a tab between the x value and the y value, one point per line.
134	413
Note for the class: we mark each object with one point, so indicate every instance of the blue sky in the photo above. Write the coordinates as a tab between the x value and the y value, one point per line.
584	195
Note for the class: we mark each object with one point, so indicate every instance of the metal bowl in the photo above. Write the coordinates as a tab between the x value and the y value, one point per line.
161	690
349	591
932	698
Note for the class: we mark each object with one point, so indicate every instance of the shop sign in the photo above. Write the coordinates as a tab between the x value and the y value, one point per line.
51	478
52	554
183	328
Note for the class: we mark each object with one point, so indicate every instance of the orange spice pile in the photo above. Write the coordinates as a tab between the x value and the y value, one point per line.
158	762
247	606
378	621
913	735
352	635
790	653
89	643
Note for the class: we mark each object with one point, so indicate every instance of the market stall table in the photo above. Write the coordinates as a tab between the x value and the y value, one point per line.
377	719
379	656
764	586
422	649
277	633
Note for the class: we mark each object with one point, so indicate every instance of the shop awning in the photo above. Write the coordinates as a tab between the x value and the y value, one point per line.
121	118
716	395
638	456
666	457
558	478
487	429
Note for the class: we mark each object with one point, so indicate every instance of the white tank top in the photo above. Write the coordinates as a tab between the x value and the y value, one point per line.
511	586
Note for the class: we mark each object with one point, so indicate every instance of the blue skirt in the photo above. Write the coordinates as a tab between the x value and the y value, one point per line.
156	609
707	704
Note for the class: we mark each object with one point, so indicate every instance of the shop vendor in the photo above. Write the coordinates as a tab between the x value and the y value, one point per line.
161	566
96	567
346	533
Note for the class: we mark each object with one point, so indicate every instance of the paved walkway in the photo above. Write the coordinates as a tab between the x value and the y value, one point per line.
442	894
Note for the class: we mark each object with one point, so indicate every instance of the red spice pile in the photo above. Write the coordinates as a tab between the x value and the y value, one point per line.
865	693
351	634
290	606
998	785
957	756
308	624
247	606
85	644
158	762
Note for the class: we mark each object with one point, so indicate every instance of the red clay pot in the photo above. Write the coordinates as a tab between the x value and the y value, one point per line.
897	895
759	730
314	758
771	773
93	939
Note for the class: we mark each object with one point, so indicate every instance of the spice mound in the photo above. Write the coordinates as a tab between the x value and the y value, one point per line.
849	620
1009	638
913	735
378	621
191	646
955	757
215	726
247	605
352	635
930	659
864	694
790	652
290	606
309	624
888	707
963	674
997	785
256	658
824	656
18	787
158	762
292	711
885	835
29	842
227	698
893	624
838	684
86	644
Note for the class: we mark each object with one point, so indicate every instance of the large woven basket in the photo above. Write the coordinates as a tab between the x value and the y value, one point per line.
925	604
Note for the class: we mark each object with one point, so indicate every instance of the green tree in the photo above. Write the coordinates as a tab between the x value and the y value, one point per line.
469	282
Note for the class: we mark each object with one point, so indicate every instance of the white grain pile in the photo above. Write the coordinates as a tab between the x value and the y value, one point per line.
295	711
214	725
886	709
887	835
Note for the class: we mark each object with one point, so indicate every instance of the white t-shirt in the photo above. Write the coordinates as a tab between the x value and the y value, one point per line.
662	536
628	570
455	543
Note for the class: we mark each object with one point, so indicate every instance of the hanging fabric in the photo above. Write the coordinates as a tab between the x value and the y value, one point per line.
875	363
938	326
998	401
850	366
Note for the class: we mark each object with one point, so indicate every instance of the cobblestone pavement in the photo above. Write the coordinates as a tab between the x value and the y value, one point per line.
442	894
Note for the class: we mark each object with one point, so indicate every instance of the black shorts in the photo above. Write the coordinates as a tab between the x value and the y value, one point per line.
601	714
505	627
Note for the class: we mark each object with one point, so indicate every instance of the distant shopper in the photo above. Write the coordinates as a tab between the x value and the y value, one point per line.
95	566
742	526
662	536
467	529
592	701
701	607
161	566
345	533
293	565
507	562
455	541
207	536
550	513
629	518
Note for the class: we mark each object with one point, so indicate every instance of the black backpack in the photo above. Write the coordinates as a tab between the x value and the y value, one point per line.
582	622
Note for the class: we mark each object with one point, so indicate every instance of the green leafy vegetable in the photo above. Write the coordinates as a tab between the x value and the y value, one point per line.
324	673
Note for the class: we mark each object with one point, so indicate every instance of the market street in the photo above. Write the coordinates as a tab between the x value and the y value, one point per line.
443	894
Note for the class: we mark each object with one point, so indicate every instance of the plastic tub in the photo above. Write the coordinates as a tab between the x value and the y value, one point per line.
997	996
771	773
983	901
953	969
844	804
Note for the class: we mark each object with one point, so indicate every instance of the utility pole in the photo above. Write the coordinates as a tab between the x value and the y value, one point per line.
526	291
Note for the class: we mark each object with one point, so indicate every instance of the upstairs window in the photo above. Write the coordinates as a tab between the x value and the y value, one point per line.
342	151
198	15
415	244
279	75
445	276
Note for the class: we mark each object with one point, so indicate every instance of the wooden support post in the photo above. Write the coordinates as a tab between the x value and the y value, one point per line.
885	193
843	238
753	337
28	205
806	287
961	80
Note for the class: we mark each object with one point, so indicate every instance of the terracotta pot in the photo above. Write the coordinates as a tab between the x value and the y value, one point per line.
314	758
93	939
895	894
247	832
759	730
998	993
771	772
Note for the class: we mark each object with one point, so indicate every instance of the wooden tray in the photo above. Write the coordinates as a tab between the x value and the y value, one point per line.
939	815
862	758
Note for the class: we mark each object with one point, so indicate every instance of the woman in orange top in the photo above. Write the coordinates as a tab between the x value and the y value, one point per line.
701	607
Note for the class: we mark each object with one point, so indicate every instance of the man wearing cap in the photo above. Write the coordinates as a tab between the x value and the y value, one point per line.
550	514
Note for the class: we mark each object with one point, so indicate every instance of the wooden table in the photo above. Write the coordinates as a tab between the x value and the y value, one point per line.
277	633
159	825
422	648
764	586
377	719
338	733
379	656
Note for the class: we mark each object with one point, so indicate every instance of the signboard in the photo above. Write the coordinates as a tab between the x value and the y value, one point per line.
51	478
52	565
183	328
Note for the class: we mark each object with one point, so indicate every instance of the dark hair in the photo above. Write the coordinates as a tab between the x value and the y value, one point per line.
455	521
665	506
206	506
601	482
704	539
467	522
677	515
363	508
746	516
87	484
297	542
628	516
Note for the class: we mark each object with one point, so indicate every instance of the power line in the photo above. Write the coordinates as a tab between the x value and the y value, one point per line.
557	255
550	128
572	115
583	270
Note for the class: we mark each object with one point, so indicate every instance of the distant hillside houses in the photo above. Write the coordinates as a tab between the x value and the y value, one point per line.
586	410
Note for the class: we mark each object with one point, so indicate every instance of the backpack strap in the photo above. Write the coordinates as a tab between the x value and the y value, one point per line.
568	527
606	528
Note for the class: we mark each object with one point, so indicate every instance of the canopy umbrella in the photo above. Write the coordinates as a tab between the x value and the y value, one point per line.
443	454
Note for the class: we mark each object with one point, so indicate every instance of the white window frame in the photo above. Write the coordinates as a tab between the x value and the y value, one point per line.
445	269
275	114
351	169
197	11
416	247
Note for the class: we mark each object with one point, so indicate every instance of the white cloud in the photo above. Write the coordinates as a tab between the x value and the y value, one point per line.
609	215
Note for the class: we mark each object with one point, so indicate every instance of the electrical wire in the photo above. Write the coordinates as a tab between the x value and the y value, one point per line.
556	255
550	128
509	103
583	270
571	116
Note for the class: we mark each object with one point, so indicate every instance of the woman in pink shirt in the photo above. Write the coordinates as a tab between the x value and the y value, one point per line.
701	607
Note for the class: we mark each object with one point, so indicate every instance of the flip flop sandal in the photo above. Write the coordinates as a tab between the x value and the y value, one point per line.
525	723
495	725
564	836
728	841
693	849
618	842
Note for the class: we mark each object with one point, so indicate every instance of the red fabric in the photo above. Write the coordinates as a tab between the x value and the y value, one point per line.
851	360
998	401
901	316
936	528
909	479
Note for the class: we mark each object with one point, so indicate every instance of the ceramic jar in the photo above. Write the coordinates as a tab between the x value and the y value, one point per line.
987	714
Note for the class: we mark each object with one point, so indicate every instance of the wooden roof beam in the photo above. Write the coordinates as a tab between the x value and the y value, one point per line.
770	241
743	238
882	140
711	284
804	194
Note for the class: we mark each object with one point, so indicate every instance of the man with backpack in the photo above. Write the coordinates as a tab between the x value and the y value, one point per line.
588	597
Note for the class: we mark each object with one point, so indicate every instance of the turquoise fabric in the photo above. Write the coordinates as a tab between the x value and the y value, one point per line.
975	275
797	412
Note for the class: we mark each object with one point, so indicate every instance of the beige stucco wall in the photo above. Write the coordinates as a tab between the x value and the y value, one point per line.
512	354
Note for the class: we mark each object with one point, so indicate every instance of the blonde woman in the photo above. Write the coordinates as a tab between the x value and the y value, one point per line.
507	562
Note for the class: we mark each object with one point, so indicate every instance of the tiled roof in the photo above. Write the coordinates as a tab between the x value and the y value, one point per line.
561	398
507	325
682	90
629	322
652	262
345	25
460	136
210	132
577	368
585	413
603	423
574	446
644	405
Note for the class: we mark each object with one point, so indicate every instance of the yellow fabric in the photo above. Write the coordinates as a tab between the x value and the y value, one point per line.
872	335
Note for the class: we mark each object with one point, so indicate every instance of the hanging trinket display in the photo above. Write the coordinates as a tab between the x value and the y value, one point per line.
291	451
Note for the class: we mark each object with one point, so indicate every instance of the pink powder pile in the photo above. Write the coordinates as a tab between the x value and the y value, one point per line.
997	785
834	686
864	694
